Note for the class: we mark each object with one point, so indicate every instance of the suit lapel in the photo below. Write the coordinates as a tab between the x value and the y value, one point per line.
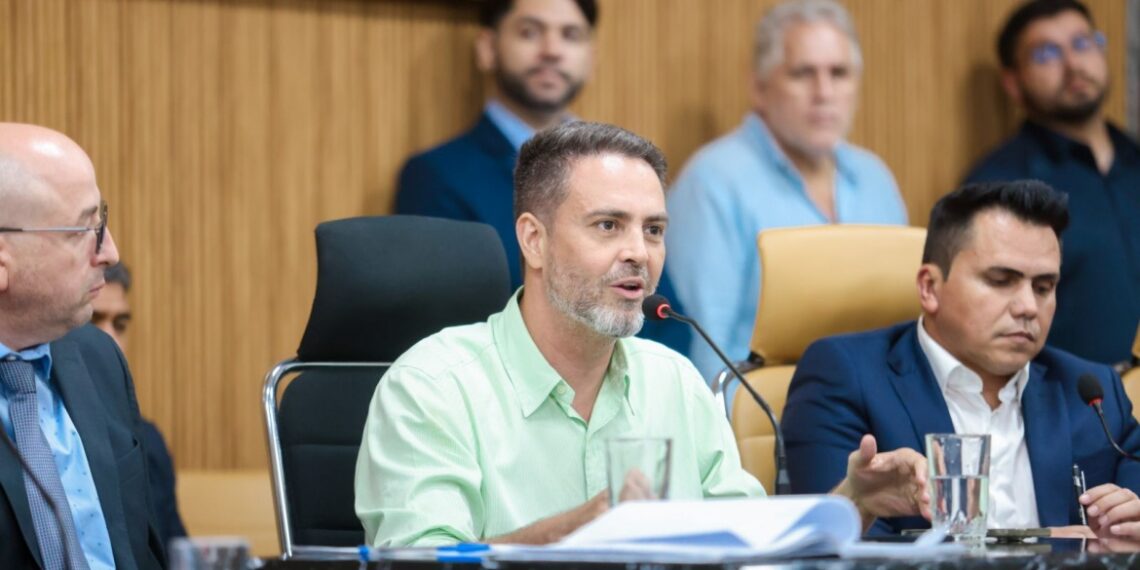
495	144
916	387
89	416
12	482
1048	439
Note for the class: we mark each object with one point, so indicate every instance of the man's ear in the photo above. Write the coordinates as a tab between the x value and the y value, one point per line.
1011	86
485	56
929	281
756	92
532	236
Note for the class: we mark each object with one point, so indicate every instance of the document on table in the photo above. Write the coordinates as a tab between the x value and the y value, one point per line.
726	530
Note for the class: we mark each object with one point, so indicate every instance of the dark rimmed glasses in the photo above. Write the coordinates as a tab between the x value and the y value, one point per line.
99	228
1049	52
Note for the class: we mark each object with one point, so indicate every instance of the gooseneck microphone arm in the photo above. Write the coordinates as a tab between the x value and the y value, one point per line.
657	307
1093	394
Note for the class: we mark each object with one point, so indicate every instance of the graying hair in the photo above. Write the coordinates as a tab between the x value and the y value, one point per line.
768	45
545	160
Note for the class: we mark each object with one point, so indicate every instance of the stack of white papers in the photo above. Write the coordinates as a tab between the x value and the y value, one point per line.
727	530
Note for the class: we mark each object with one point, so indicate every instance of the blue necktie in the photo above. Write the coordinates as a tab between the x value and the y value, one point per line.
19	378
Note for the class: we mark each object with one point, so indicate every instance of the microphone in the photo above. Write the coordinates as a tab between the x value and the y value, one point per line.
1093	394
657	308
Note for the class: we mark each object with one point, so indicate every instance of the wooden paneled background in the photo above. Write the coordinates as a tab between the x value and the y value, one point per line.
223	131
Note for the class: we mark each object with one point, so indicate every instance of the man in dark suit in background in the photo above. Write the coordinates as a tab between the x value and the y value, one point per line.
975	363
112	314
539	54
70	497
1054	66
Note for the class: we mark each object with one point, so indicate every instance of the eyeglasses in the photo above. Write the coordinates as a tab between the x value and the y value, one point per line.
1049	52
100	228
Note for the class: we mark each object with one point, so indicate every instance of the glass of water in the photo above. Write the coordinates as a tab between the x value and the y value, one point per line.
637	468
960	481
209	553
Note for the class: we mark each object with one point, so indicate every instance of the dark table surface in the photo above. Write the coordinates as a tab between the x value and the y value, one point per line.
1044	554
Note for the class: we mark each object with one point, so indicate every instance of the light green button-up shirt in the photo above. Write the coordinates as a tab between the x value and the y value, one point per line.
471	434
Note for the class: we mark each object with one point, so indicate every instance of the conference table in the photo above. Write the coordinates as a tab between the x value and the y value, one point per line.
1040	555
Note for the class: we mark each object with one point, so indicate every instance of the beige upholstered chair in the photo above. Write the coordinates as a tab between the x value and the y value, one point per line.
817	281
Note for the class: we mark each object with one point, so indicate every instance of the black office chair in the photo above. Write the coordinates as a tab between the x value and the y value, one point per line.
383	284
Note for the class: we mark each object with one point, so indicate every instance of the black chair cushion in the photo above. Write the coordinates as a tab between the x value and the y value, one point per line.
321	422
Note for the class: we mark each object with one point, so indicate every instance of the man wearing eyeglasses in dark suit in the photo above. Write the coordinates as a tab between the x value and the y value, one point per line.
73	478
1054	66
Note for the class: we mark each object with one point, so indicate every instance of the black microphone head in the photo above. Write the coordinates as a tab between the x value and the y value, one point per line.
1090	389
656	307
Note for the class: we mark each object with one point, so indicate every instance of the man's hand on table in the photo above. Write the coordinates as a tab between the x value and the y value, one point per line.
555	528
888	484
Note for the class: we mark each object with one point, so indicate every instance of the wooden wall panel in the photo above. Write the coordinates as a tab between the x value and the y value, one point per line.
223	131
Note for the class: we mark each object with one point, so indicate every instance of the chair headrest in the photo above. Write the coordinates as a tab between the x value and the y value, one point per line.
819	281
384	283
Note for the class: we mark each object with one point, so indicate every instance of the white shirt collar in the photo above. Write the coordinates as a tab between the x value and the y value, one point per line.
951	374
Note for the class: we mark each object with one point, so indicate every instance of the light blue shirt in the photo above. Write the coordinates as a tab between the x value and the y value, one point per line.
515	129
67	448
730	190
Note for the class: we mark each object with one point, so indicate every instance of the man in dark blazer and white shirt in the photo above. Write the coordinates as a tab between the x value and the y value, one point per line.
976	363
539	55
87	505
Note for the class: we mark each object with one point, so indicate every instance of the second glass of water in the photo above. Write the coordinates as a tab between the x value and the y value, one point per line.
637	468
960	483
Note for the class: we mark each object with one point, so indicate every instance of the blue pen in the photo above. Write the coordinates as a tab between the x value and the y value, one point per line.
462	553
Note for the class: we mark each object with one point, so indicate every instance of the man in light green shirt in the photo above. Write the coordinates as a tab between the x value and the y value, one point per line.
496	431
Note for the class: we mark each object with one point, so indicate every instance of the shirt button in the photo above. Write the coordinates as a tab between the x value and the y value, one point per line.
561	390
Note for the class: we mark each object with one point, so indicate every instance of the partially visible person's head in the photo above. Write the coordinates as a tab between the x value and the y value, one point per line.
990	269
1053	61
590	218
112	307
806	69
48	279
540	52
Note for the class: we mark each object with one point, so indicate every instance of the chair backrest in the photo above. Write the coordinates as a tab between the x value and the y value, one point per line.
1131	377
818	281
383	284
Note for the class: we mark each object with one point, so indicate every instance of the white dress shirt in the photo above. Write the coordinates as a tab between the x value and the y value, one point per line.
1013	503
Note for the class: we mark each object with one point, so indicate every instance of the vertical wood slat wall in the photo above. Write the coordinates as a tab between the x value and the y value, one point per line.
223	131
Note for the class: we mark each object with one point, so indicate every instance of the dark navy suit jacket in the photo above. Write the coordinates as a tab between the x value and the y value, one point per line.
471	177
160	470
100	398
880	382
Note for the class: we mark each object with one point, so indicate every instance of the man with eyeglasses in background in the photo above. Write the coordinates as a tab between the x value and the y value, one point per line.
1054	66
73	478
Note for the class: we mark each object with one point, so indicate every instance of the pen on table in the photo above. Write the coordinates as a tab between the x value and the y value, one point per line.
1079	489
462	553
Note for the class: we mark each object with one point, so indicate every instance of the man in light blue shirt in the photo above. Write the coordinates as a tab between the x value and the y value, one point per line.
786	165
72	477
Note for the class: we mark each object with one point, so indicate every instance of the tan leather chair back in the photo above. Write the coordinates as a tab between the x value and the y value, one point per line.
819	281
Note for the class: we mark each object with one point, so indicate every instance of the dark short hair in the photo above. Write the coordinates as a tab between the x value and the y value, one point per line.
1024	16
492	12
118	273
545	160
951	220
